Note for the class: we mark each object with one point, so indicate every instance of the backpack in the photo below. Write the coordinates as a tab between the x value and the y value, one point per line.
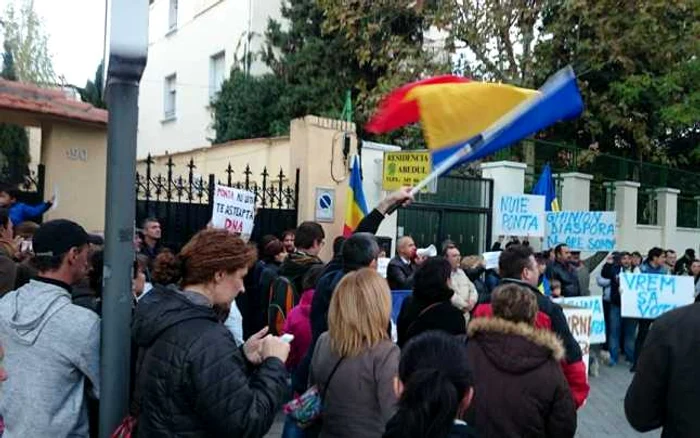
283	297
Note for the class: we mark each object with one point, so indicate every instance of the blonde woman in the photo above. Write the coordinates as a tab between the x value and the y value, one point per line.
355	362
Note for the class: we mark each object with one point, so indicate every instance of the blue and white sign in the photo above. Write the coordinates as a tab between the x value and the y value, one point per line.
325	205
649	296
595	304
581	230
519	215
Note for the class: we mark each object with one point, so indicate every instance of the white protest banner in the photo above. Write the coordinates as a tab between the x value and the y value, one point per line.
595	305
648	296
491	259
581	230
579	322
519	215
234	210
383	265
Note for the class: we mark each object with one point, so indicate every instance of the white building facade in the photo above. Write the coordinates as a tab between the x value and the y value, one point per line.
192	47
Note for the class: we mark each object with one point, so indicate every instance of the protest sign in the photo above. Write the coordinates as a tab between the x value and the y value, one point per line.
595	305
383	265
406	169
491	259
234	210
579	321
648	296
519	215
581	230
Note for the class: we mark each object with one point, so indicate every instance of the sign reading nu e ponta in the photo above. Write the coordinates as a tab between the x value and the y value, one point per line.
649	296
519	215
581	230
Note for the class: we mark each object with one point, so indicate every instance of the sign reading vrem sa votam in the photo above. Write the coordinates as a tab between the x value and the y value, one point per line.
519	215
405	169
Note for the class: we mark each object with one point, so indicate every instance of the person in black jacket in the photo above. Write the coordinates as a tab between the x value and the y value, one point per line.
191	378
562	270
429	307
665	390
611	271
401	268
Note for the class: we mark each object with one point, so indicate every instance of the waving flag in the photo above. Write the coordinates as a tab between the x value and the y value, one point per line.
396	111
355	205
558	99
545	187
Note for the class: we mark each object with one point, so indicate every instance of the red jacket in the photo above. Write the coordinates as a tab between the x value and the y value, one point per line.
574	370
299	324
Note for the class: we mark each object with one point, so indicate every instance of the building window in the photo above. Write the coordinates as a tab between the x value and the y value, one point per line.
170	97
172	15
217	73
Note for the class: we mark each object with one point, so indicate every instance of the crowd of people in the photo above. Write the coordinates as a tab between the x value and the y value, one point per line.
225	332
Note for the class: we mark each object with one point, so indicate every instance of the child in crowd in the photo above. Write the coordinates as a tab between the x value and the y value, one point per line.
19	211
555	285
298	321
435	388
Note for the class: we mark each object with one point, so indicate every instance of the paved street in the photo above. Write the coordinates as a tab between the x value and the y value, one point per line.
603	415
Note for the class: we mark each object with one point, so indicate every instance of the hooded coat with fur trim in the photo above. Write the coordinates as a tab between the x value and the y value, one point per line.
519	387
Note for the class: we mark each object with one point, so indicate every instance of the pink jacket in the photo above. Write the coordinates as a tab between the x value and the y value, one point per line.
299	324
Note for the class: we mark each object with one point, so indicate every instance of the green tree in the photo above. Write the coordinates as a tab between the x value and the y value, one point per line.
24	34
14	142
638	69
93	93
247	107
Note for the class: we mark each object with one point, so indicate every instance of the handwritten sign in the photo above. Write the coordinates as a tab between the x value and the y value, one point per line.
649	296
383	265
234	210
406	169
595	305
520	215
581	230
491	259
579	321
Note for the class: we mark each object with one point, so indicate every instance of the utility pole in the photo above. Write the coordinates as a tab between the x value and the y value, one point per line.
127	59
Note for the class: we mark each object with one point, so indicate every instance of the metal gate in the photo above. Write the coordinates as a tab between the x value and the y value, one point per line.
183	204
460	210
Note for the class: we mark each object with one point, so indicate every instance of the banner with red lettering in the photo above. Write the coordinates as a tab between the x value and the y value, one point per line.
234	210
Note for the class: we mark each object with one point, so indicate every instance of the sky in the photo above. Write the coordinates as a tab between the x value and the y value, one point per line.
76	31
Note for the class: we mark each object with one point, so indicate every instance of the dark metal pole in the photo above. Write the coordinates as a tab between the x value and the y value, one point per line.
122	98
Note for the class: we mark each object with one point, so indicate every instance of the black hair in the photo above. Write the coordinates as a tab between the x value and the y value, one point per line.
513	260
541	258
430	281
359	250
11	190
690	253
636	254
338	245
269	248
670	251
311	277
558	248
447	244
624	253
96	272
436	378
654	253
47	263
4	217
308	234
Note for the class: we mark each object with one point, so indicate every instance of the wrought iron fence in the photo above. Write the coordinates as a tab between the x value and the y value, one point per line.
183	204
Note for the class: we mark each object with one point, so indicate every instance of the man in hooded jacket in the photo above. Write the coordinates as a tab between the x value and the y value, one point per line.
52	347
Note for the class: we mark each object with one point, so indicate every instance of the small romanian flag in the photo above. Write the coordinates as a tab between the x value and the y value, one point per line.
355	205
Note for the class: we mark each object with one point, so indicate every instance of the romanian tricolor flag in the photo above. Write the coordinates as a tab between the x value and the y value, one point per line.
476	119
545	187
355	205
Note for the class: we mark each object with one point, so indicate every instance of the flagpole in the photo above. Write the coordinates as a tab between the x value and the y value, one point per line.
557	81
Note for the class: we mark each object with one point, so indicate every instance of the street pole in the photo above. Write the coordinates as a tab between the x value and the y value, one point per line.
128	50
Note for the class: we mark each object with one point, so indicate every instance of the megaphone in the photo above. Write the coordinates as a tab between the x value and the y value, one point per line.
430	251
